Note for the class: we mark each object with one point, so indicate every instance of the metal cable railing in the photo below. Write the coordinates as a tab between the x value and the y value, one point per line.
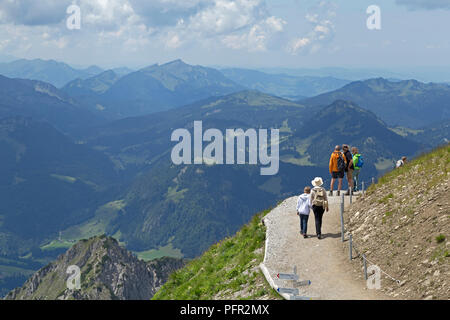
363	257
353	247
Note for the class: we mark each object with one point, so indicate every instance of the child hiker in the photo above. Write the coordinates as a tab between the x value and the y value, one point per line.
303	209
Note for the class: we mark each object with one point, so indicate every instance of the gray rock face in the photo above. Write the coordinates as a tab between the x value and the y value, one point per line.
107	272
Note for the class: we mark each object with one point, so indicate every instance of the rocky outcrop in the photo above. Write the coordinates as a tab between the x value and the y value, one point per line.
107	272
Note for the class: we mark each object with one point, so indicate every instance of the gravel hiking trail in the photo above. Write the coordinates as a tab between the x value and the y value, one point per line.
324	262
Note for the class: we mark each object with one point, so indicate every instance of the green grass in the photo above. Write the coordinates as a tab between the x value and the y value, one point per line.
166	251
56	244
301	158
387	214
435	163
174	195
226	268
11	270
386	198
95	226
404	132
440	238
285	127
440	254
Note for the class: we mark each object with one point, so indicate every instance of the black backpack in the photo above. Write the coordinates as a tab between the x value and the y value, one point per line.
341	163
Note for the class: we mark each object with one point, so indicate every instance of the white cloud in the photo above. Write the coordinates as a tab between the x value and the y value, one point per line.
257	38
300	43
174	41
39	29
32	12
277	24
323	28
134	24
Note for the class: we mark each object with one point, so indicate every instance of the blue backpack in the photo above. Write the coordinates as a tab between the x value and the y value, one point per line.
360	162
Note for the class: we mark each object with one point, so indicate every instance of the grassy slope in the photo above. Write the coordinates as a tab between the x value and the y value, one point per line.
228	270
403	225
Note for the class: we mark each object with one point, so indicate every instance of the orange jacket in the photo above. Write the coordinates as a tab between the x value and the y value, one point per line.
334	161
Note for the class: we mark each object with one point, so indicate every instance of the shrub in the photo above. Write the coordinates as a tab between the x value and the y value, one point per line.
440	238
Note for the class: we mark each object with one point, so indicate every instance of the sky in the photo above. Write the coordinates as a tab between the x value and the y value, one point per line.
240	33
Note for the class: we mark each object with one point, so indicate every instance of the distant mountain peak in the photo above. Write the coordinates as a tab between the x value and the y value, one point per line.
407	103
340	106
107	73
55	72
172	64
177	62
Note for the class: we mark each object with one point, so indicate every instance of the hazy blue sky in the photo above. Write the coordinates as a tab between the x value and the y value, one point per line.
247	33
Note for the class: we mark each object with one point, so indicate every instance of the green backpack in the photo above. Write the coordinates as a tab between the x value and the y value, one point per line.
358	161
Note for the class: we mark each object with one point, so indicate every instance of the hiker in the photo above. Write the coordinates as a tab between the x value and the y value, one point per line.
319	202
303	209
401	162
358	162
337	167
348	167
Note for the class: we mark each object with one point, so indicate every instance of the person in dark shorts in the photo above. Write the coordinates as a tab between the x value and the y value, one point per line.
348	168
337	167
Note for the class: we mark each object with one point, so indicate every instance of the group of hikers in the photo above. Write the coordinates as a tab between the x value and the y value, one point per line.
343	162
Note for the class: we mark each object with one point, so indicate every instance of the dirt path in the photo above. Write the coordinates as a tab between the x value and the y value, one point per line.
324	262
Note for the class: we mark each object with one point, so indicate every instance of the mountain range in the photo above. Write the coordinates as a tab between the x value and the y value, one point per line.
344	121
229	268
185	207
94	157
401	103
282	85
42	101
152	89
53	72
47	182
167	204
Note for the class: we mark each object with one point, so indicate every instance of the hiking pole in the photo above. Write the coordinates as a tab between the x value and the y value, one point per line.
362	188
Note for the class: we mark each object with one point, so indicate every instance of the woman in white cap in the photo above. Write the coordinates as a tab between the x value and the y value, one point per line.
319	203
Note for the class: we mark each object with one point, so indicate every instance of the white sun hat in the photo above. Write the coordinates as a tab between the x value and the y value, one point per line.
317	182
